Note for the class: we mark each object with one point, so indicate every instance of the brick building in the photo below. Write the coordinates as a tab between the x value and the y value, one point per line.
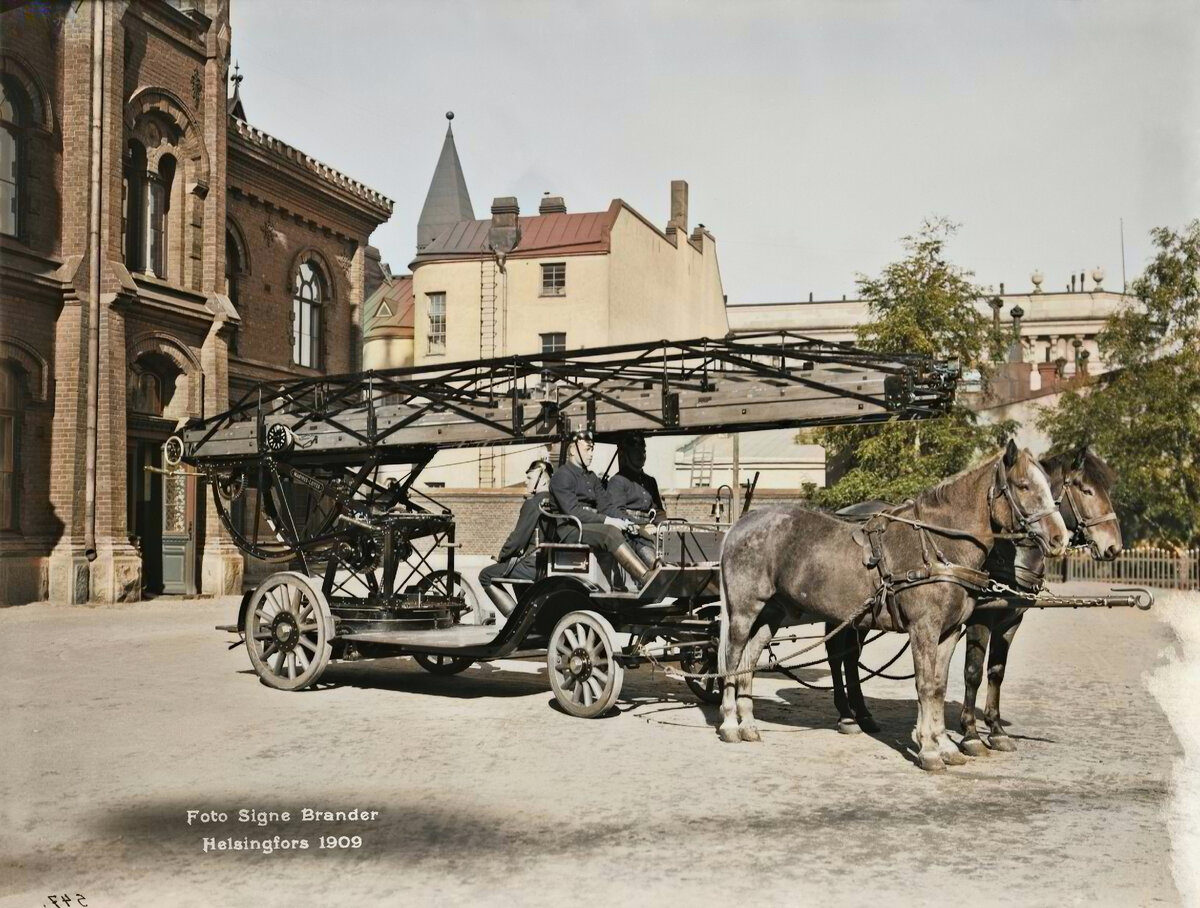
158	255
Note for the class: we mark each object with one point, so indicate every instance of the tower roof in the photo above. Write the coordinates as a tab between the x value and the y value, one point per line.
447	202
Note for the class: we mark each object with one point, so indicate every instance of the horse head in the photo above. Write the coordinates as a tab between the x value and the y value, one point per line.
1022	500
1083	486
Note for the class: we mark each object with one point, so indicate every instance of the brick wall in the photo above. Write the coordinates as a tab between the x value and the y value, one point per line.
273	244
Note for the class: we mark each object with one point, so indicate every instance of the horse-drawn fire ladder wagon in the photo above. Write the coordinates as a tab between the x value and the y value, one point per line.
319	475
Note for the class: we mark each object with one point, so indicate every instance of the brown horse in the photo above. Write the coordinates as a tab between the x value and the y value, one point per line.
1082	484
779	563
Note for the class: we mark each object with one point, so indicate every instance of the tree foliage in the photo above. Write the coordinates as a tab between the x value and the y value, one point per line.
920	304
1143	416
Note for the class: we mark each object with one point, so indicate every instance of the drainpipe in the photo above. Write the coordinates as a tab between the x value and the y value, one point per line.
93	395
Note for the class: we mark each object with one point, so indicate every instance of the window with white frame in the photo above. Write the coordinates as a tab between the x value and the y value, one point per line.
437	322
554	341
307	298
554	279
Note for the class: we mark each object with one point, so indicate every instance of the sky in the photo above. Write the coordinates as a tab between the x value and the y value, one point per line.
813	135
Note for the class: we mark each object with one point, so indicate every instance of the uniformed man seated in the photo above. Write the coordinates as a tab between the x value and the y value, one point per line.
518	555
634	493
578	492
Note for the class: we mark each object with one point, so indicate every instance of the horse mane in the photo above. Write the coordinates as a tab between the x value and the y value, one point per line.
938	494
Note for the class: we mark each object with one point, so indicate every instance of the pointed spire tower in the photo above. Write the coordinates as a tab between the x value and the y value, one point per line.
447	202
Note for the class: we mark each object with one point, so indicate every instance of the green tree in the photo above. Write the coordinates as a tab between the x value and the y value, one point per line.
1143	415
920	304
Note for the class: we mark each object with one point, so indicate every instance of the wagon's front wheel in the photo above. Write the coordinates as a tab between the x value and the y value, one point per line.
289	631
584	674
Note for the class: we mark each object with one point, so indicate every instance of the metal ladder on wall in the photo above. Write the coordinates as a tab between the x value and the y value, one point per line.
489	344
702	468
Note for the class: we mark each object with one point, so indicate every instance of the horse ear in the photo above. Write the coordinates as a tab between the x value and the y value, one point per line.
1010	454
1080	457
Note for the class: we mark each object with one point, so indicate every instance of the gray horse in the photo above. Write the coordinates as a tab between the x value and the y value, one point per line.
1082	484
779	563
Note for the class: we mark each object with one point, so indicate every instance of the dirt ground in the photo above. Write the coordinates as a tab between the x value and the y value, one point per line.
118	721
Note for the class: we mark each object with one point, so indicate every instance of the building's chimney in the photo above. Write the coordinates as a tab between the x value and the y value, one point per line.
504	234
1072	282
552	204
679	205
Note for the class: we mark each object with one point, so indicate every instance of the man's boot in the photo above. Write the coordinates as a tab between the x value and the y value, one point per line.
501	599
633	565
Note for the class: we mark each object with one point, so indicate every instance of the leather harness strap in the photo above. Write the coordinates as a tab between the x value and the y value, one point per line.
871	538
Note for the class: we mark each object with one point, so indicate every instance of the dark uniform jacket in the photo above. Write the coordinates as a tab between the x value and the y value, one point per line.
522	535
634	495
580	493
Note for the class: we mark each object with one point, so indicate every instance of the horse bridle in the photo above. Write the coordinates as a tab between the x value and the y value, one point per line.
1024	522
1082	528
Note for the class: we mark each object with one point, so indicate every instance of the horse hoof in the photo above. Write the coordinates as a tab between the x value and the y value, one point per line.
868	724
931	762
750	734
729	734
848	727
953	757
1002	742
973	747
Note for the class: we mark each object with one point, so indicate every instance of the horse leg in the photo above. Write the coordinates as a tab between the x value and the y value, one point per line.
977	644
997	661
740	621
945	651
866	721
924	643
745	683
837	650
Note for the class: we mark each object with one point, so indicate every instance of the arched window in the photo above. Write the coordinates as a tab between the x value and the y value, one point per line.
233	266
14	117
309	292
10	447
148	189
132	204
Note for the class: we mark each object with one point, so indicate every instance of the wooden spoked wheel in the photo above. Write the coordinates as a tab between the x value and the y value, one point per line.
289	631
443	665
584	674
702	662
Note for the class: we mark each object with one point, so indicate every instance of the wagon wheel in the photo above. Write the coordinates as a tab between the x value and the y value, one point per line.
699	661
289	631
702	662
443	665
584	676
437	582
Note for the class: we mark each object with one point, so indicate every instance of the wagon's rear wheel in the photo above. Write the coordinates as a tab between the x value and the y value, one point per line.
289	631
703	660
584	674
443	665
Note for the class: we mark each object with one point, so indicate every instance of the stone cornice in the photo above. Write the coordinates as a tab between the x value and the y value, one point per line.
364	200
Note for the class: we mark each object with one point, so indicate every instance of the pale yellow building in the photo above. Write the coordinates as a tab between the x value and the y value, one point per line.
554	280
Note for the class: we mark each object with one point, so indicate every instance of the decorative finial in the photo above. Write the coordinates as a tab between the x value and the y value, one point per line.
1037	277
237	76
449	115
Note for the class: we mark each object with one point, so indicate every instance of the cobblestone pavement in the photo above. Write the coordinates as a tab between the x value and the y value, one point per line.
119	720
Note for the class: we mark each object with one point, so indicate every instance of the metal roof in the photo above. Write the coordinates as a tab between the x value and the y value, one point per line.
448	201
389	310
543	234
